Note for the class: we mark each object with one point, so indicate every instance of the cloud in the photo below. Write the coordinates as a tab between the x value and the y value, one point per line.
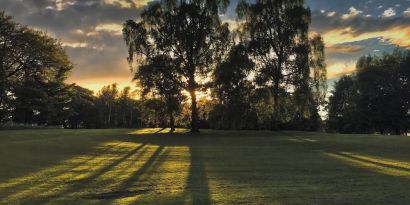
389	13
352	13
336	29
406	13
332	13
344	49
395	35
90	31
339	69
75	45
113	28
128	3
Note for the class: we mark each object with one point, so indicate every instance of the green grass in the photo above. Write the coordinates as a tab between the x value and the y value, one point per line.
216	167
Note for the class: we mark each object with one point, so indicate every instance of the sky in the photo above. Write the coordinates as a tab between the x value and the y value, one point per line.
90	31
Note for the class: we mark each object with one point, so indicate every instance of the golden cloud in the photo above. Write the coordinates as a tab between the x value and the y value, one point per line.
340	69
113	28
129	3
75	44
95	84
395	35
346	49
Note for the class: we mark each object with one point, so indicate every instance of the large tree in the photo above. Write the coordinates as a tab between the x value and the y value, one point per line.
189	33
30	59
287	61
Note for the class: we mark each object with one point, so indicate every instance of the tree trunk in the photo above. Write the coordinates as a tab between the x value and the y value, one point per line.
130	120
194	113
109	116
171	121
275	106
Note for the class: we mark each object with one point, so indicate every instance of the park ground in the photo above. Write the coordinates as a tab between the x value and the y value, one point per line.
149	166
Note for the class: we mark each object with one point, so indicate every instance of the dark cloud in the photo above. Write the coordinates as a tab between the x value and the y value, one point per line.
90	28
322	22
96	53
348	49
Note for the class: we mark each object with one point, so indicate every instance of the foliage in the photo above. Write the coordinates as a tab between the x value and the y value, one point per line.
190	36
33	68
376	99
288	64
233	88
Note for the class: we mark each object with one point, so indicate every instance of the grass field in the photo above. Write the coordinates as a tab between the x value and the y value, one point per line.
216	167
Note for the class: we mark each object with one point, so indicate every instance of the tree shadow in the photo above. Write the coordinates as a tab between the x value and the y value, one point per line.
160	130
82	183
197	183
30	149
197	186
372	163
126	189
56	170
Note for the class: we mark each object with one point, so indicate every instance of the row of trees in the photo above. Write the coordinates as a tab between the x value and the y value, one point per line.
266	74
33	68
375	99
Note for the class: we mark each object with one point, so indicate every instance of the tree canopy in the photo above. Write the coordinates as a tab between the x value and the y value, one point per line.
188	34
376	99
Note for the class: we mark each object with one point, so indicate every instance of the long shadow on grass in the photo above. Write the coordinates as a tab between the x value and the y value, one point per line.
82	183
197	187
126	189
197	184
30	145
47	179
269	168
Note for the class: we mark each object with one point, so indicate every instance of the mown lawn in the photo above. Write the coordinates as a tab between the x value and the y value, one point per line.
216	167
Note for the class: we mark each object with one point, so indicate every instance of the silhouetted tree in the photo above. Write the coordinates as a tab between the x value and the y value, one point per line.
188	33
276	31
376	99
82	107
106	104
156	77
343	110
33	68
233	88
287	61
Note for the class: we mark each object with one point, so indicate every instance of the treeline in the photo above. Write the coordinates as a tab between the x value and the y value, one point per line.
261	72
194	70
375	99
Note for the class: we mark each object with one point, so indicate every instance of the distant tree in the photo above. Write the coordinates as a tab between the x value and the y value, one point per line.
343	111
404	78
82	108
376	99
106	105
381	89
189	33
129	109
154	110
